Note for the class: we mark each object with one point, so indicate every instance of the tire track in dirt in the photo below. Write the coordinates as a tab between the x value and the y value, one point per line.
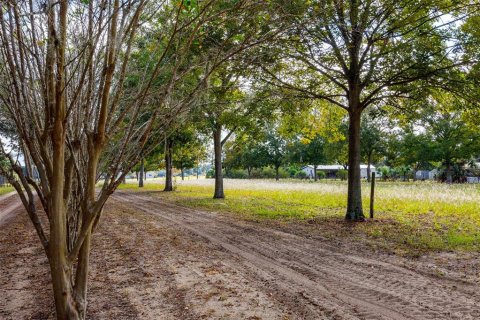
9	203
340	283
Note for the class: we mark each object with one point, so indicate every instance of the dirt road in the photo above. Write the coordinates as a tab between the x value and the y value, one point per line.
156	260
320	280
8	204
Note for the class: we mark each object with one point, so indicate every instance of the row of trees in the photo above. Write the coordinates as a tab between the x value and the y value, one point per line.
89	88
95	87
435	140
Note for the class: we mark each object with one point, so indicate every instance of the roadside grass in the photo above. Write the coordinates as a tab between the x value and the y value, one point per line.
5	190
415	217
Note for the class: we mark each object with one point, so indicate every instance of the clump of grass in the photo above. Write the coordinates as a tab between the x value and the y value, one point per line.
5	190
417	216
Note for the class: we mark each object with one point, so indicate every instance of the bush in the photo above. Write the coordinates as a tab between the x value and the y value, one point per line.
268	173
385	172
237	174
283	173
342	174
301	175
256	173
292	172
321	174
210	174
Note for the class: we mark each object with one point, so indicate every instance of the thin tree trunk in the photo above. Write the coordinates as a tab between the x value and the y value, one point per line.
354	201
142	174
369	169
168	166
277	175
217	145
449	173
183	174
81	278
315	172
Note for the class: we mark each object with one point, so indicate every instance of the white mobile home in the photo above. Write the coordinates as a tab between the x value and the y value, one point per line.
331	170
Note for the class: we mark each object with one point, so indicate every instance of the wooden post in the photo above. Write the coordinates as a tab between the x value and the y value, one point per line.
372	195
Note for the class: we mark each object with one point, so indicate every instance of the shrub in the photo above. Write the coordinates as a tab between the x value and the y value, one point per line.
283	173
237	174
256	173
321	174
342	174
301	175
268	173
292	172
385	172
210	174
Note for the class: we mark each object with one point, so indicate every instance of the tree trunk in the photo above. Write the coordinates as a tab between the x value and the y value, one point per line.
183	174
354	201
217	145
449	172
60	269
369	169
277	175
81	277
315	172
168	166
249	171
142	174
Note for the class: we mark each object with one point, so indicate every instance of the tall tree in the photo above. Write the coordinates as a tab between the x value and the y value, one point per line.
355	54
232	111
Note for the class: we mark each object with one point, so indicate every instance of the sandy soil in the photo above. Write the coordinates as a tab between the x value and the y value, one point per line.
9	203
155	260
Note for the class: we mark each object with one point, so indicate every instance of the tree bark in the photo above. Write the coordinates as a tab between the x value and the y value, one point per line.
369	170
315	172
217	145
277	175
354	201
183	173
81	278
142	174
449	172
168	166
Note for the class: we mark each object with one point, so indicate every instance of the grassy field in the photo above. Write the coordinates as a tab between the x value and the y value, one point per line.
5	190
419	216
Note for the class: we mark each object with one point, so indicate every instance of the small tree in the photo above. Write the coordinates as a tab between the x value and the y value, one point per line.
275	148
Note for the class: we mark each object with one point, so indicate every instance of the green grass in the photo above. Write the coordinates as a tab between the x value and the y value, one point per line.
5	190
414	216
